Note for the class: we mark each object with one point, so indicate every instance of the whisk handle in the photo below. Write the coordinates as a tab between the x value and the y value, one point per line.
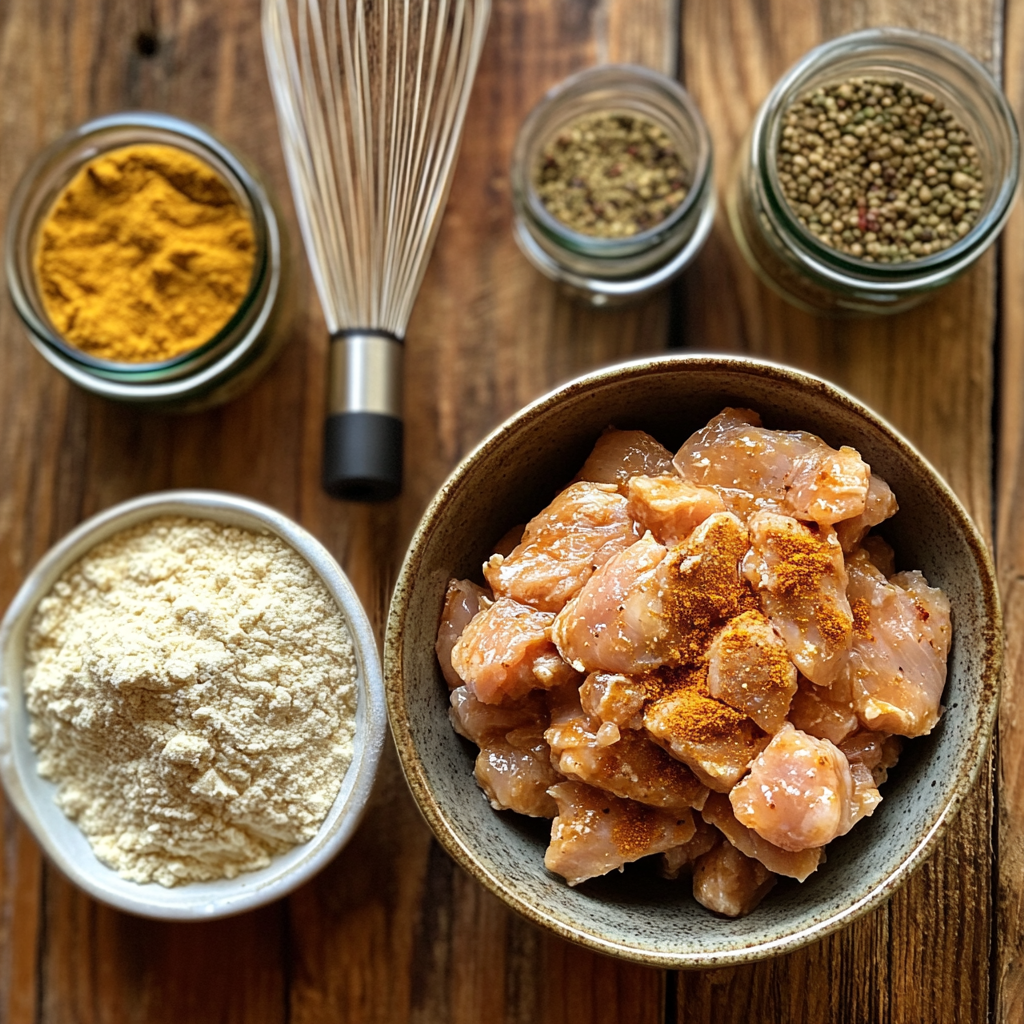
363	432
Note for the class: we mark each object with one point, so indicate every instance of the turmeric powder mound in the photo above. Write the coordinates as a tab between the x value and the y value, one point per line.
144	256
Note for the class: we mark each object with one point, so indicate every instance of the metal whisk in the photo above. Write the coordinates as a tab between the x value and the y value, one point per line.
371	96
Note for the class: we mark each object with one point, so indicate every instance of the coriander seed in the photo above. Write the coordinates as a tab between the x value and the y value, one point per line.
879	170
611	175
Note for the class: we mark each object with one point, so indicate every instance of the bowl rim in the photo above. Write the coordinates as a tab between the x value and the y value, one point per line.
412	764
188	902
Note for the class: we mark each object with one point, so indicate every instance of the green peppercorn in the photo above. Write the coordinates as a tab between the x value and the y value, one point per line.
879	170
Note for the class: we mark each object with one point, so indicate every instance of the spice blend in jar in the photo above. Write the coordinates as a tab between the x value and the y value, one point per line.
879	170
144	256
611	175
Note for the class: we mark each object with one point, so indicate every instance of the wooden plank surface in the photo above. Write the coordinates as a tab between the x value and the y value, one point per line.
1008	974
925	955
392	931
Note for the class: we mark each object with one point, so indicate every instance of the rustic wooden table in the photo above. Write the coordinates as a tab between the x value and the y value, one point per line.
392	931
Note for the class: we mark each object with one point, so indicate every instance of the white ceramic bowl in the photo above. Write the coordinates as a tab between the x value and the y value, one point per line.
33	796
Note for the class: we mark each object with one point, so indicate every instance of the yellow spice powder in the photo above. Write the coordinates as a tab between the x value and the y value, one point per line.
145	255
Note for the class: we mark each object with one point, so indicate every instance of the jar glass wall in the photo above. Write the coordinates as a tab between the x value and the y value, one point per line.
602	270
807	272
213	372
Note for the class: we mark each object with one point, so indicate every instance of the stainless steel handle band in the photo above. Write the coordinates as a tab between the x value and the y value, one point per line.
365	373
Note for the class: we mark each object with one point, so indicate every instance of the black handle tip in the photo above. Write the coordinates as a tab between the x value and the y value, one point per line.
362	456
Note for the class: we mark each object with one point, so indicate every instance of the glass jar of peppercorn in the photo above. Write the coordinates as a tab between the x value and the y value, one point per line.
880	167
611	183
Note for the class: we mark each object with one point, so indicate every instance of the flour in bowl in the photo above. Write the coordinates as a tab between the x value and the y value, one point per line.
192	691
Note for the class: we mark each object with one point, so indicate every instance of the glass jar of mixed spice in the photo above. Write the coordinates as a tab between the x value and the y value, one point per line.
145	260
880	167
612	184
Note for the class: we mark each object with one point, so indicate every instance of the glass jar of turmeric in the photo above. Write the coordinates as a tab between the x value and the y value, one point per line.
145	259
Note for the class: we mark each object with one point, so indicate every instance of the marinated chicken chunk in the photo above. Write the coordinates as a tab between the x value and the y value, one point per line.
800	792
462	601
728	883
791	472
481	722
680	859
617	623
595	833
718	811
563	546
614	697
701	587
799	574
671	508
749	669
506	651
881	504
620	455
516	773
715	740
622	762
897	667
826	712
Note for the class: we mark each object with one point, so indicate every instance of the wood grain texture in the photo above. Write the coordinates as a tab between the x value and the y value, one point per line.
1009	931
392	931
924	956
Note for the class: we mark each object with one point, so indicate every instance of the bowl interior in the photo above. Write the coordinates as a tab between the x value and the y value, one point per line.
637	914
34	796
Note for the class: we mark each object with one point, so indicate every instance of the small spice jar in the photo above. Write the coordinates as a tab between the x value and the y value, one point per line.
662	138
211	372
782	239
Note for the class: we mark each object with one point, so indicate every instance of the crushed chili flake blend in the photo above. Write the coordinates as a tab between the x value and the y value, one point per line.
611	175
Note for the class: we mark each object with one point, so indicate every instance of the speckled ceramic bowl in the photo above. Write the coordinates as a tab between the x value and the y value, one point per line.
33	796
636	915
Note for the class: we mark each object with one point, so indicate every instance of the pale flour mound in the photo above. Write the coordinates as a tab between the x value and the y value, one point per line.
192	692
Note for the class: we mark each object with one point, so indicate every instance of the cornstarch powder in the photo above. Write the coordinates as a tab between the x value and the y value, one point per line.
191	688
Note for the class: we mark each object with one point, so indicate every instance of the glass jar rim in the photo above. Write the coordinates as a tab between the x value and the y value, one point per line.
578	83
239	180
844	268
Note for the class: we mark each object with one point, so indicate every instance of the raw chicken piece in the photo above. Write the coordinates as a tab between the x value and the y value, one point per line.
799	573
622	762
877	751
516	773
680	859
595	833
824	711
701	587
615	698
506	651
562	546
897	667
645	608
799	793
669	507
481	722
749	669
792	472
462	601
728	883
622	454
881	504
882	557
717	811
616	623
715	740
